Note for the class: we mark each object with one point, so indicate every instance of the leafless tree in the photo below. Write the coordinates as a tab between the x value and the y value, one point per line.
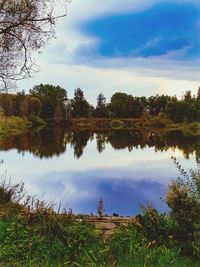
25	27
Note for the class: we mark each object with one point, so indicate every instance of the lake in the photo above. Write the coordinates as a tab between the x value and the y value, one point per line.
128	169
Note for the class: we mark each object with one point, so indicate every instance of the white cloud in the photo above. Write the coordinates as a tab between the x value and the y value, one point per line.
79	10
61	62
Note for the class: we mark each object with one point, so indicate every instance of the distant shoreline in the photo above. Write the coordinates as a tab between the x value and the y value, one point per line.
16	125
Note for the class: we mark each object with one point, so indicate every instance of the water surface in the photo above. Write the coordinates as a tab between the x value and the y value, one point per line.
126	168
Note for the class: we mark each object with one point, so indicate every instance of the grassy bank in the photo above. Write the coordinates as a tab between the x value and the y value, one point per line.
161	122
17	125
153	124
33	234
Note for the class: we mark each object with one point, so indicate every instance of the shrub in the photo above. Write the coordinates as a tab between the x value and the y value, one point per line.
116	124
37	121
154	227
183	198
196	242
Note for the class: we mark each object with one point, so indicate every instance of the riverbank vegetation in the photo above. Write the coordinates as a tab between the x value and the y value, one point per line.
52	105
33	234
13	125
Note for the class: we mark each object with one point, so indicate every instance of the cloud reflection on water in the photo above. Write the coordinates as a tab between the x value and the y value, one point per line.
123	178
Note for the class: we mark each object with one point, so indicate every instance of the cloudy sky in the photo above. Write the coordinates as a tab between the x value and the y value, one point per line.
141	47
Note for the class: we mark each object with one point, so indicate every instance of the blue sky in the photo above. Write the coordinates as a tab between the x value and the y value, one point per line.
157	31
139	47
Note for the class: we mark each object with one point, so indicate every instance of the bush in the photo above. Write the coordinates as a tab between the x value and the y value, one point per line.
116	124
37	121
183	198
154	227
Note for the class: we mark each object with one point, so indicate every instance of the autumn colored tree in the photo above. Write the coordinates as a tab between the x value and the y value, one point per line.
30	106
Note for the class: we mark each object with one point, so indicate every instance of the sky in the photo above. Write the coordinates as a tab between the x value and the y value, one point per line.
139	47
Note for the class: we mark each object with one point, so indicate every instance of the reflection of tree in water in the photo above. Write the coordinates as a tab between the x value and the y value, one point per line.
188	144
78	140
124	139
50	142
161	141
45	143
101	140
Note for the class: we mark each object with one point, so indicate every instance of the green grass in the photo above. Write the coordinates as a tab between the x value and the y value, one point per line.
18	125
161	122
43	241
186	128
13	125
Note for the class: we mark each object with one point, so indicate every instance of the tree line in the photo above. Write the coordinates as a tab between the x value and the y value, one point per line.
51	103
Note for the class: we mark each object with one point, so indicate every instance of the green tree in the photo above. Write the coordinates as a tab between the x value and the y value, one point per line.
157	104
80	107
126	106
53	99
101	110
137	107
120	104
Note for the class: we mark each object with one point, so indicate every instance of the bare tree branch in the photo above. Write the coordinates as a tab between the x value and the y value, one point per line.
25	27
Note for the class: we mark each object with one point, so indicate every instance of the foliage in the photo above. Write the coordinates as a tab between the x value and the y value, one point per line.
127	249
154	227
20	105
183	198
34	235
125	106
101	110
37	121
53	99
51	103
157	104
80	107
185	110
159	121
13	125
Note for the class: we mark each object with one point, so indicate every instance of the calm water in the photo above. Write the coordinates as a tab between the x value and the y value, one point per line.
126	168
